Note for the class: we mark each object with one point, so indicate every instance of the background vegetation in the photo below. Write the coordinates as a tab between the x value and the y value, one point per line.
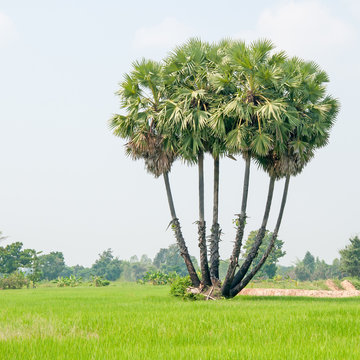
26	267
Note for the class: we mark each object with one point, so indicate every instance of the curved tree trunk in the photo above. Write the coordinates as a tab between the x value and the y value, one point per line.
205	273
215	229
240	224
259	238
234	291
175	225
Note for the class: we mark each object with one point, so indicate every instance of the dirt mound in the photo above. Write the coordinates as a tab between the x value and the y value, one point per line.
300	292
331	285
347	285
214	292
349	291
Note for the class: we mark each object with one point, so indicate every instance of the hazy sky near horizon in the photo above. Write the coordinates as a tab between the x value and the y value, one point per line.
65	182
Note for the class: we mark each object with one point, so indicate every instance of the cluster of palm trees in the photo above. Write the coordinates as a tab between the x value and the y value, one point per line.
225	99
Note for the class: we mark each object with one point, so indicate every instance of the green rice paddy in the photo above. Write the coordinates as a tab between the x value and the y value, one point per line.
130	321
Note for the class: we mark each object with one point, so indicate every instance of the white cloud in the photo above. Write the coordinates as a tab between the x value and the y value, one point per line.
7	29
302	28
165	34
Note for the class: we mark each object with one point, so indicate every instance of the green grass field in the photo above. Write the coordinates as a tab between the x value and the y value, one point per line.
130	321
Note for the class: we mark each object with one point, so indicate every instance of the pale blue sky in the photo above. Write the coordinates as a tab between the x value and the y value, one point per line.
65	183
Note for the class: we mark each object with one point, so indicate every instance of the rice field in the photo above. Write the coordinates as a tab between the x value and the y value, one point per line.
130	321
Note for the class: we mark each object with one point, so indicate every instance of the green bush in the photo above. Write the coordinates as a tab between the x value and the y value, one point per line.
159	278
72	281
98	281
179	286
15	280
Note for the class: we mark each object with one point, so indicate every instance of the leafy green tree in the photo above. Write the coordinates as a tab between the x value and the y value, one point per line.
133	271
134	259
269	268
77	271
80	271
350	257
335	270
309	262
13	257
302	272
323	270
145	259
107	266
169	260
304	269
51	265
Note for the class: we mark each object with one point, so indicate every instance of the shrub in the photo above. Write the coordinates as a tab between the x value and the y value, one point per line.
16	280
98	281
72	281
159	278
179	286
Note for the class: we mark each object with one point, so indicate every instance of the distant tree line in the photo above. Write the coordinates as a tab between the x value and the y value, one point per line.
38	266
311	268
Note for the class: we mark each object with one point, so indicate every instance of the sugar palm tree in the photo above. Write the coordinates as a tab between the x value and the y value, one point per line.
247	76
226	99
187	113
142	94
308	115
221	88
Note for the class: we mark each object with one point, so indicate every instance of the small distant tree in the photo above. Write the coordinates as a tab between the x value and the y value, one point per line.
269	268
309	262
169	260
302	273
336	269
81	271
305	268
350	258
107	266
134	259
51	265
145	260
322	270
13	257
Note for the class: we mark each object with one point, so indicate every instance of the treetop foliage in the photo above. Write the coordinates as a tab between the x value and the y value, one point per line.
269	268
225	98
350	257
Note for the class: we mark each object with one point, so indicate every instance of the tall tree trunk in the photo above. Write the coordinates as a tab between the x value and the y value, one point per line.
215	229
259	238
240	224
175	225
205	273
234	291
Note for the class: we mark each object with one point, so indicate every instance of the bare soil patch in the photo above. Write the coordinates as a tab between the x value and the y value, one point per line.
347	285
349	291
331	285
